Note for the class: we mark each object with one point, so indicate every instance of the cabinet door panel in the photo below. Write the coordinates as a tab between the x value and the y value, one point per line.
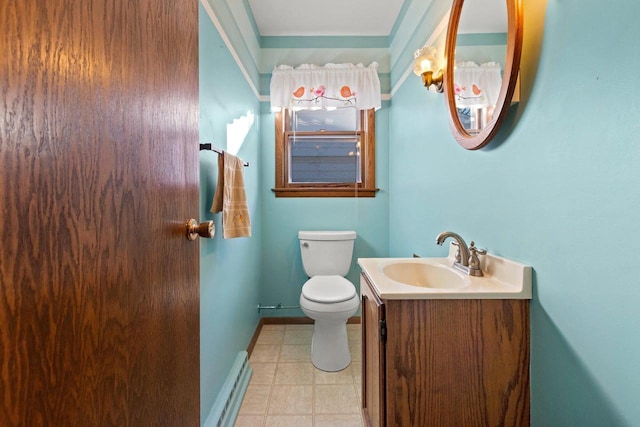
373	361
457	363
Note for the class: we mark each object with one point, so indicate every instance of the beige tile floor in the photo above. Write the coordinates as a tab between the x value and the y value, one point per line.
287	390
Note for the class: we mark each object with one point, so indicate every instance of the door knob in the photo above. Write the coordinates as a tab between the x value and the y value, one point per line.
204	229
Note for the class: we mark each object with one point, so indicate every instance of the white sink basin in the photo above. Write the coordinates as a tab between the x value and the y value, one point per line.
435	278
425	275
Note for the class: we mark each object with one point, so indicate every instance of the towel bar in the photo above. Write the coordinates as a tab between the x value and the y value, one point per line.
210	147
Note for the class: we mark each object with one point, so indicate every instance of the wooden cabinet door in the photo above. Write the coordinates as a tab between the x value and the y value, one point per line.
457	363
373	356
99	288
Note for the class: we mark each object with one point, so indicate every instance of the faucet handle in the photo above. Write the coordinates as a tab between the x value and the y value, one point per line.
473	249
474	262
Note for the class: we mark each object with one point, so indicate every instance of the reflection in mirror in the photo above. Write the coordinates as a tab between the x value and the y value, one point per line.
483	49
481	46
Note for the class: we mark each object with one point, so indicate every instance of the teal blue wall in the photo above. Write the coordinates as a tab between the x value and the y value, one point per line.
238	274
229	269
238	27
557	189
283	276
416	26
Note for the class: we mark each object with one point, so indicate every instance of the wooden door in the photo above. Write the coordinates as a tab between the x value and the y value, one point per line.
373	357
99	289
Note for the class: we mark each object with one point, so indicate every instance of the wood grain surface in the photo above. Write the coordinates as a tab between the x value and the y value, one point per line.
458	363
99	308
373	357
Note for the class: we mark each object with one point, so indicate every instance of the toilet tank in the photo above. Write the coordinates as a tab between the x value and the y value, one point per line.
326	252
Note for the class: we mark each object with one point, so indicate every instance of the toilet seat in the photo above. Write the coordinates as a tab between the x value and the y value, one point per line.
328	289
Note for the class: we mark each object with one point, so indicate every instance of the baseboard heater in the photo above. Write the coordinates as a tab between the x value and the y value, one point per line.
226	407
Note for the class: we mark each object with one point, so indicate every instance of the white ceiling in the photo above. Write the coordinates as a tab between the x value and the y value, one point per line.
325	17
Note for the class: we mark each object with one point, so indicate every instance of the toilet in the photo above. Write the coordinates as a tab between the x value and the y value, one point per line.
328	297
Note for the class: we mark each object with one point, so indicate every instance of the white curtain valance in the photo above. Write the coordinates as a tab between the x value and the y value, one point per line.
332	86
477	85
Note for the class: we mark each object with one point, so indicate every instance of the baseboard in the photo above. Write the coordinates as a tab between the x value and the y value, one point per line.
226	407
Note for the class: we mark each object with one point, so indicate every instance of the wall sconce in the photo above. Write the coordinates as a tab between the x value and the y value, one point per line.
426	65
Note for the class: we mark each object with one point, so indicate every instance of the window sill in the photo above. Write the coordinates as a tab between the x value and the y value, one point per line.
324	192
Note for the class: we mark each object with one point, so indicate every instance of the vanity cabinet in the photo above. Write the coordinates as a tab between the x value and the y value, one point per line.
444	362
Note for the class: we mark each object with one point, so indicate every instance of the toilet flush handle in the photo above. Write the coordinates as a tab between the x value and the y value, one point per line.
305	245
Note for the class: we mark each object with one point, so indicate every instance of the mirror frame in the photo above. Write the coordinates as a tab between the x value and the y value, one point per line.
509	78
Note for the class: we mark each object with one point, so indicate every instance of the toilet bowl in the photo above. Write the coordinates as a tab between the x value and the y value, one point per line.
327	297
330	312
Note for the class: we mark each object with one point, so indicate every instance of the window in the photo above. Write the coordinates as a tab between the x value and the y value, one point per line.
325	153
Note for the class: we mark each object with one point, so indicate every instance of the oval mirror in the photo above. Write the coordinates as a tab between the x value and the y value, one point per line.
482	54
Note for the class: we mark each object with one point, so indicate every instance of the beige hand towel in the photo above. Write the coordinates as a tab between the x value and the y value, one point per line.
216	206
231	199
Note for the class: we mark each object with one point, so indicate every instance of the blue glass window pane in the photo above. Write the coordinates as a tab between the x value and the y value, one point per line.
328	159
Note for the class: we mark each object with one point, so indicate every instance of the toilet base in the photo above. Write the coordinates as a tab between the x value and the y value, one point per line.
330	345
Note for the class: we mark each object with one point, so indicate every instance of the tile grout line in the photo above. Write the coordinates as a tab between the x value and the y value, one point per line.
351	379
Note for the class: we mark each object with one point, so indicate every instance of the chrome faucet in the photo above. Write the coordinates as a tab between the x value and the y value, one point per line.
462	257
465	254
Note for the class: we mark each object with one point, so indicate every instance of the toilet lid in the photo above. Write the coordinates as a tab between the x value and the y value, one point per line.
328	289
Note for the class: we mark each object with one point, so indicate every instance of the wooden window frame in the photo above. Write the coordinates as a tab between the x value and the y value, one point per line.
366	188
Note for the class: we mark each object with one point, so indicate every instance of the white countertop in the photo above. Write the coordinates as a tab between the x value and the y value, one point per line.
503	279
